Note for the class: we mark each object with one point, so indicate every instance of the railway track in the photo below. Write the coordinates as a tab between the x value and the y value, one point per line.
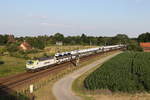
21	79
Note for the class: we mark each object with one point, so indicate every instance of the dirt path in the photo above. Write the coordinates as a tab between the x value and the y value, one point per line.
62	89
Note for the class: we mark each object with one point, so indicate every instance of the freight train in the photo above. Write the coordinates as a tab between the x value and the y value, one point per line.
43	63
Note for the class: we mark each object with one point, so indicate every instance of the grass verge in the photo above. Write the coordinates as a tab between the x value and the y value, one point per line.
11	65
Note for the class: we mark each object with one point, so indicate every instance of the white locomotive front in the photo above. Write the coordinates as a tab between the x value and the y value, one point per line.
40	63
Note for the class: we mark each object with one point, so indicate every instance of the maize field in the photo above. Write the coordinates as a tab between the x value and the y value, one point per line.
127	72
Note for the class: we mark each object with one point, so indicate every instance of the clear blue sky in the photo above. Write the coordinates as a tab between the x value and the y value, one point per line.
73	17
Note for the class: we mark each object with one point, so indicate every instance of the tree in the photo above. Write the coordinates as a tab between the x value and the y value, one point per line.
106	41
100	41
84	39
133	46
119	39
40	44
13	47
58	37
69	40
145	37
35	42
91	40
3	39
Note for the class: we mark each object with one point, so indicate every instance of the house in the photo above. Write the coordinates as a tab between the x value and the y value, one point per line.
25	46
59	43
145	46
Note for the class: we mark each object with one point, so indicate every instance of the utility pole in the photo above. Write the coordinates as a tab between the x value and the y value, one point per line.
77	60
90	43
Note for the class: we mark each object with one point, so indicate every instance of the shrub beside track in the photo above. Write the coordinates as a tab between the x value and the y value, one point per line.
127	72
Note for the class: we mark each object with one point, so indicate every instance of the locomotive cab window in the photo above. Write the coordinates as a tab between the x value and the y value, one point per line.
30	62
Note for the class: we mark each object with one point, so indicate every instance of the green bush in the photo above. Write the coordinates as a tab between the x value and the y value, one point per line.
13	96
2	50
134	46
13	47
1	62
19	55
45	55
127	72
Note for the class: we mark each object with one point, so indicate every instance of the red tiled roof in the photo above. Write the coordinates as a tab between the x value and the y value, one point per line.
26	45
145	44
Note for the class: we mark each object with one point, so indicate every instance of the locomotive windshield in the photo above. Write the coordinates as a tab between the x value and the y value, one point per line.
30	62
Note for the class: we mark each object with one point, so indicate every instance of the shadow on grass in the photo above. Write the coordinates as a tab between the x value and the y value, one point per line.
1	62
9	94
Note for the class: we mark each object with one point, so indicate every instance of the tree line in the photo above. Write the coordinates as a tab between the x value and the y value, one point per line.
40	42
68	40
